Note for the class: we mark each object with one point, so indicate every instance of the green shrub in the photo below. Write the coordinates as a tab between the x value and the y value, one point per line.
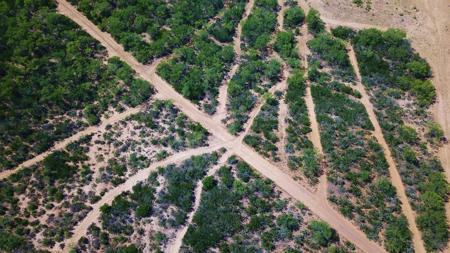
314	22
293	17
322	234
343	32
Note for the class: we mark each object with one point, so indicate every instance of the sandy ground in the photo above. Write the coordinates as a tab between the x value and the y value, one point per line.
283	108
82	227
393	172
63	143
282	126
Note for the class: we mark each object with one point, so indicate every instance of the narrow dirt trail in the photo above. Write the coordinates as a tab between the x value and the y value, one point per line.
82	227
63	143
316	203
304	53
394	174
280	15
282	126
314	136
283	108
221	44
221	110
252	115
178	241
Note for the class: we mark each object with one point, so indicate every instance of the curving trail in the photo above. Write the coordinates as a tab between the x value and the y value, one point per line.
280	15
83	226
393	172
283	108
178	241
221	110
63	143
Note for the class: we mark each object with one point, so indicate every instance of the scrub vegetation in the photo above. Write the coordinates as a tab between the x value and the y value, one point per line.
42	204
148	216
241	211
399	82
55	80
197	71
151	28
358	175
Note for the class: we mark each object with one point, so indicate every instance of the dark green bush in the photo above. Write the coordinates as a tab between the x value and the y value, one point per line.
293	17
314	22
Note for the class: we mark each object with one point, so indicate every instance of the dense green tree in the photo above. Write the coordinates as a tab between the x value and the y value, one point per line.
257	28
56	166
322	234
314	22
225	28
343	32
333	51
398	236
150	29
209	183
285	43
12	243
293	17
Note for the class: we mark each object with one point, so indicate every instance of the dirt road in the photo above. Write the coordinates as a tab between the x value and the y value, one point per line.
393	172
282	133
304	52
315	203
